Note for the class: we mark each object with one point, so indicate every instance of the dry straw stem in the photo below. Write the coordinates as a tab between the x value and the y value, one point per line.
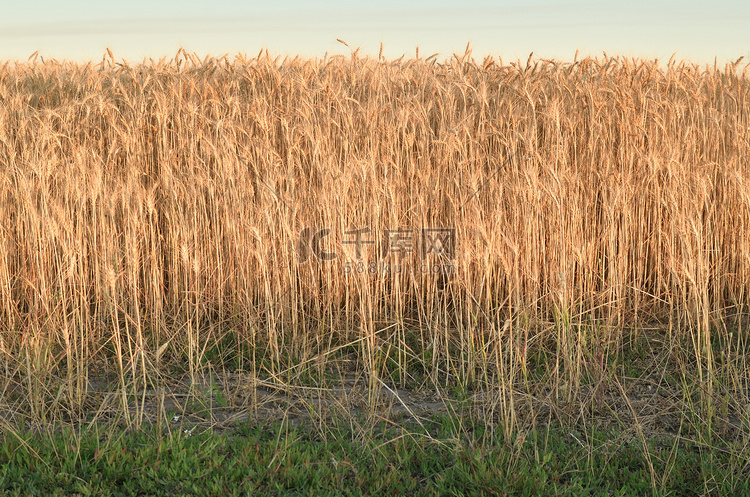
152	211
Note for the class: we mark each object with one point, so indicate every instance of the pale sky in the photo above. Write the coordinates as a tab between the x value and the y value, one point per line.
82	30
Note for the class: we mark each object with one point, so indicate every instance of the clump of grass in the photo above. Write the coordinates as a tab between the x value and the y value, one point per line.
277	458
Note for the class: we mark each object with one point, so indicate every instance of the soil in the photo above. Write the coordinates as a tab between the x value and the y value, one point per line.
647	405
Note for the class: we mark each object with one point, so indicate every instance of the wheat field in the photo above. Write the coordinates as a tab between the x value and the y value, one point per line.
184	214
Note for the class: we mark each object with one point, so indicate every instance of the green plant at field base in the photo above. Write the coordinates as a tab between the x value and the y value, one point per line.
459	458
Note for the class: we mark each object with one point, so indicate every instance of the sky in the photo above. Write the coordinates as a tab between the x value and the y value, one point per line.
82	30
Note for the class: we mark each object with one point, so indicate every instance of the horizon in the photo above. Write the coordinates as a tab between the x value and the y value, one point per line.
83	31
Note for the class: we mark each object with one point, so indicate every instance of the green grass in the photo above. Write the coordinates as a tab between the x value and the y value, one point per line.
669	442
275	459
